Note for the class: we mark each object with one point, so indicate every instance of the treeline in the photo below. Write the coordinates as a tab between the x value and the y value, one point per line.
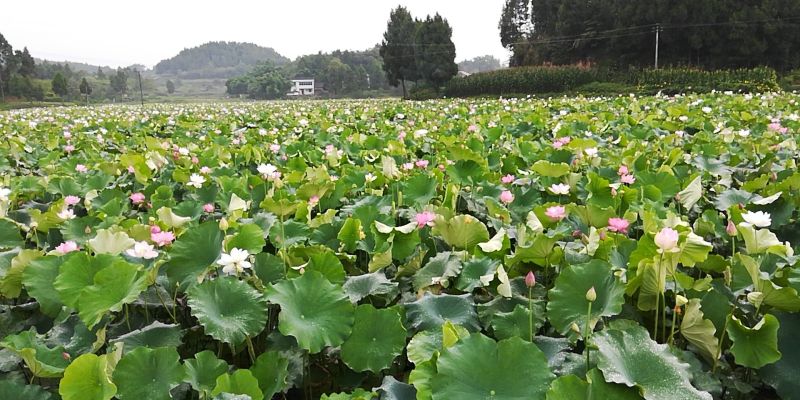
218	60
336	74
17	73
709	34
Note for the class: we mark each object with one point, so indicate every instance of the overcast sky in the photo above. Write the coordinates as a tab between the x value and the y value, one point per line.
147	31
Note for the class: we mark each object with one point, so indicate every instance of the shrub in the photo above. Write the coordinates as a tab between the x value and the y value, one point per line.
523	80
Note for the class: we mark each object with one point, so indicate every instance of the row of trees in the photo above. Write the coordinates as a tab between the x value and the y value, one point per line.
340	73
418	50
620	33
17	70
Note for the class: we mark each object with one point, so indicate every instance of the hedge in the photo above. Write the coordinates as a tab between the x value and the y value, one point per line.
559	79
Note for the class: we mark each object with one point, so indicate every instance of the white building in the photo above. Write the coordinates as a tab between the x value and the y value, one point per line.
301	87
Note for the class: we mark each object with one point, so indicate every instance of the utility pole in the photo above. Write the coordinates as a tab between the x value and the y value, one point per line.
141	92
658	29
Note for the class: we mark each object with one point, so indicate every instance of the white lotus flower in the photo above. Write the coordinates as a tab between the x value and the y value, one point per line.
760	219
4	193
66	214
267	169
196	181
370	177
591	152
142	250
559	188
235	261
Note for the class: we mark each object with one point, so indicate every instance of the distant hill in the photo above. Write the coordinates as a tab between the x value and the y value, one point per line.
76	66
217	60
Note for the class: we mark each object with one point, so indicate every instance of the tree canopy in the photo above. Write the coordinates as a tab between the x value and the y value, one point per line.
618	33
218	60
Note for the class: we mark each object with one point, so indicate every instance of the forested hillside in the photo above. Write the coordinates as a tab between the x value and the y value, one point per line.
218	60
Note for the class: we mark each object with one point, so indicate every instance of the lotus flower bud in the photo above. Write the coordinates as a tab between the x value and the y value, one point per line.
755	298
731	228
530	280
591	295
680	300
223	224
574	327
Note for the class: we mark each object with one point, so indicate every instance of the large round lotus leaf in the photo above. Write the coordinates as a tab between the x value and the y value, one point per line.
240	381
229	309
628	356
518	323
783	374
568	302
38	279
316	312
360	286
113	287
202	371
757	346
43	361
438	270
432	311
570	387
18	390
148	374
378	337
478	368
192	253
87	379
461	231
76	273
154	335
271	371
392	389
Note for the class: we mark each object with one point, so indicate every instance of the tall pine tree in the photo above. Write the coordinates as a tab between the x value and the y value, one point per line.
435	52
397	48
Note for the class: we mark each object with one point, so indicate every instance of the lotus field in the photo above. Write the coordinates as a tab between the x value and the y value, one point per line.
565	248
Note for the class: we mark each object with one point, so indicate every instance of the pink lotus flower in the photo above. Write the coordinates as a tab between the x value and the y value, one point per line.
401	136
731	228
205	170
557	144
556	213
275	148
618	225
72	200
313	200
407	166
472	128
67	247
131	170
195	160
208	207
508	179
162	238
425	218
776	127
627	179
69	148
667	240
81	168
422	164
506	197
137	198
623	170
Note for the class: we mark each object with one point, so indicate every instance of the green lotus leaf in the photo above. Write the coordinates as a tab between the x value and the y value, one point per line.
358	394
392	389
202	371
628	356
757	346
86	378
272	372
476	272
698	331
114	286
316	312
250	237
692	193
11	281
147	373
38	279
172	220
461	232
76	273
784	299
375	284
10	236
761	240
478	368
41	360
568	302
229	310
419	189
378	337
231	396
155	335
350	234
466	172
421	378
438	270
517	323
547	168
240	381
192	253
782	375
293	232
570	387
106	242
432	311
328	265
18	390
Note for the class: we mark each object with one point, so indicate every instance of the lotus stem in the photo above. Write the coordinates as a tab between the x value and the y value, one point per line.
530	316
587	333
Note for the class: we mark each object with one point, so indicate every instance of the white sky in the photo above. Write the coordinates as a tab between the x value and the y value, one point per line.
147	31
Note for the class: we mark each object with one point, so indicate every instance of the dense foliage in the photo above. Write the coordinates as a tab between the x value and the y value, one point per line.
549	80
480	64
265	81
218	60
709	34
570	248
